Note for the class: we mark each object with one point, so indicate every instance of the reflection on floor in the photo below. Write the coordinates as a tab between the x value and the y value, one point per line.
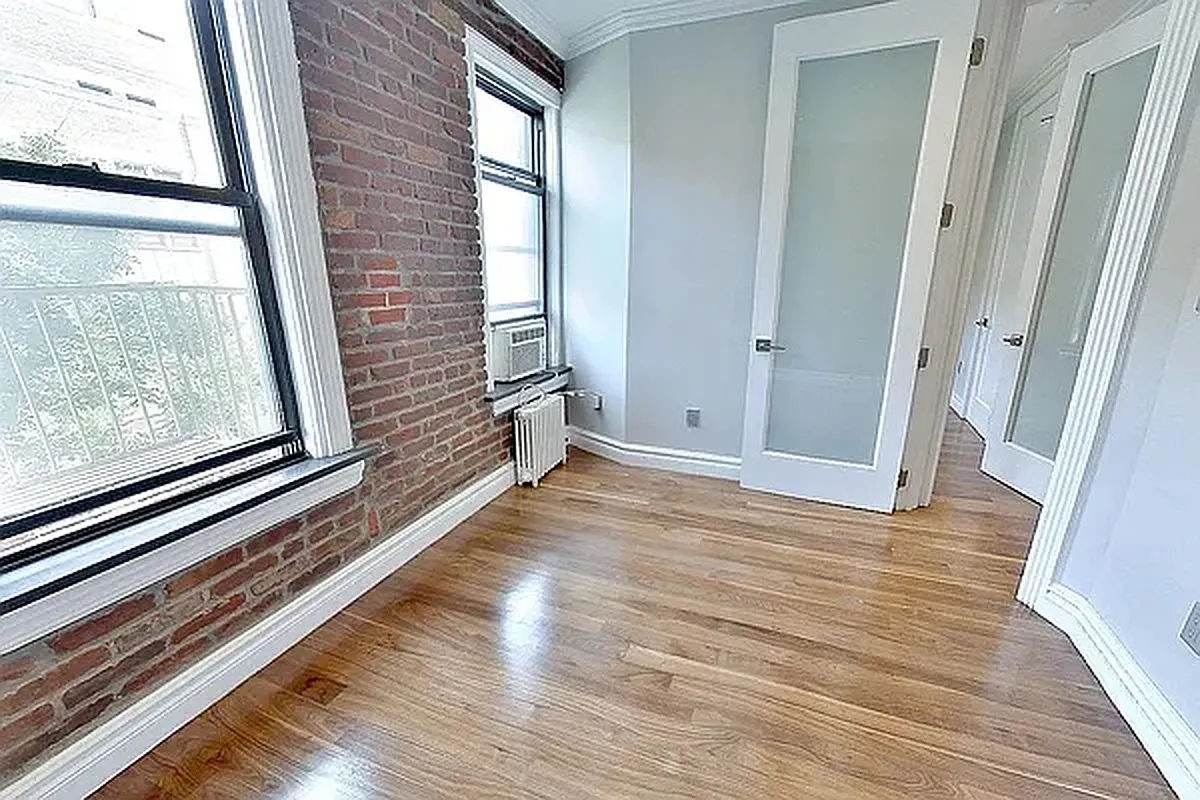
629	633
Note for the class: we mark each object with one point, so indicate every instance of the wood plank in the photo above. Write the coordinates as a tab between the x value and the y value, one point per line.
620	632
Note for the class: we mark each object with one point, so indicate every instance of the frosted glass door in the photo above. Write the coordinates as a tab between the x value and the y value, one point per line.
857	138
860	125
1041	334
1063	308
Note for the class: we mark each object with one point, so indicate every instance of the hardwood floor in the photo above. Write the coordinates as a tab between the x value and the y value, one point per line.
629	633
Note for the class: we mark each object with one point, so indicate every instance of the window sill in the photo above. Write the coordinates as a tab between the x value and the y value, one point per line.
55	591
504	397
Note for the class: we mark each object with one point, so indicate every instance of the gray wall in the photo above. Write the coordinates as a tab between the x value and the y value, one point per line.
1135	545
596	206
697	104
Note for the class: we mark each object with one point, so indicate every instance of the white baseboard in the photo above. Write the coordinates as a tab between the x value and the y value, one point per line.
688	462
88	763
1167	737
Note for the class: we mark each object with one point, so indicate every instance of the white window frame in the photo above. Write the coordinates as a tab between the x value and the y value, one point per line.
268	88
484	53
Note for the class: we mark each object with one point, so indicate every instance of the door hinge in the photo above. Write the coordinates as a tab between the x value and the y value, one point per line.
923	358
978	46
947	215
902	479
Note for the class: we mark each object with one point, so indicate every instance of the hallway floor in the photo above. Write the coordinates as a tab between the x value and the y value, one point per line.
629	633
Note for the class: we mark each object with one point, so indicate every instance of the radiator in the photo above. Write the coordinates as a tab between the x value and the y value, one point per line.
540	431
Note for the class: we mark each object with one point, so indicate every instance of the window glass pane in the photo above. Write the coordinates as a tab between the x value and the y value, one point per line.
512	232
505	132
114	82
123	353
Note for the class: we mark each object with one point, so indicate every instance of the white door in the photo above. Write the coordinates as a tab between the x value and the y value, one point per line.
1041	330
861	118
1009	242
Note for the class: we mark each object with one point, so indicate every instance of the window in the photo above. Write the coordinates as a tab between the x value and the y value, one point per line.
512	168
142	352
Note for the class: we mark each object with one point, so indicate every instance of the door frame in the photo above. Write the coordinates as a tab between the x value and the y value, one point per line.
859	30
1169	100
1011	463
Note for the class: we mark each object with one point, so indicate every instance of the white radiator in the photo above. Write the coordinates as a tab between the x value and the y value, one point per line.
540	430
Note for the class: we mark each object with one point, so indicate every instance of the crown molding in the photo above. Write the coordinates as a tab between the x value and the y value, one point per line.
661	15
536	22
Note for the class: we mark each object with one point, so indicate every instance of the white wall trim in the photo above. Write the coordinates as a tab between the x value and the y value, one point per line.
1172	744
264	55
662	15
1133	234
482	50
87	764
535	22
686	462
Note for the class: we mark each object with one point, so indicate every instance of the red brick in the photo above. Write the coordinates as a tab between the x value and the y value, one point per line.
54	680
205	571
15	667
207	619
24	726
101	624
242	577
93	686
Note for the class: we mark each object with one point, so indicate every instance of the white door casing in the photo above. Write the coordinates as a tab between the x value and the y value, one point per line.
877	29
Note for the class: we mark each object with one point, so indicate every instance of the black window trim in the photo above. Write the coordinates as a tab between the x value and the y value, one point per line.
210	29
517	177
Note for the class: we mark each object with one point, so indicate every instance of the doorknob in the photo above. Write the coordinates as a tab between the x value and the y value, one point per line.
1014	339
764	345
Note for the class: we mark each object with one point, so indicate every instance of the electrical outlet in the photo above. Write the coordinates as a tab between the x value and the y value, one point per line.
692	415
1191	629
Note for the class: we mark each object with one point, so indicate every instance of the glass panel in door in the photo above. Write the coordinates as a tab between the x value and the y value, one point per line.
1112	105
859	125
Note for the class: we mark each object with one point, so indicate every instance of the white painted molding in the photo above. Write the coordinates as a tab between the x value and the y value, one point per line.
264	57
535	22
1133	233
686	462
662	15
55	611
1172	744
87	764
484	52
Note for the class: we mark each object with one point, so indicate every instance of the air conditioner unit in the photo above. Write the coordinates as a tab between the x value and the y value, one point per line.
518	350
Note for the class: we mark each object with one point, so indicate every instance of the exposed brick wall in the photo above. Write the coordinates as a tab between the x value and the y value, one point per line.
386	104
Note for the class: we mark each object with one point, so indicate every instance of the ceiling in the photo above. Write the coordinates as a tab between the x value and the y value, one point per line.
571	27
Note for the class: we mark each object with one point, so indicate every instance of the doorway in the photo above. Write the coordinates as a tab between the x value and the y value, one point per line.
1022	350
